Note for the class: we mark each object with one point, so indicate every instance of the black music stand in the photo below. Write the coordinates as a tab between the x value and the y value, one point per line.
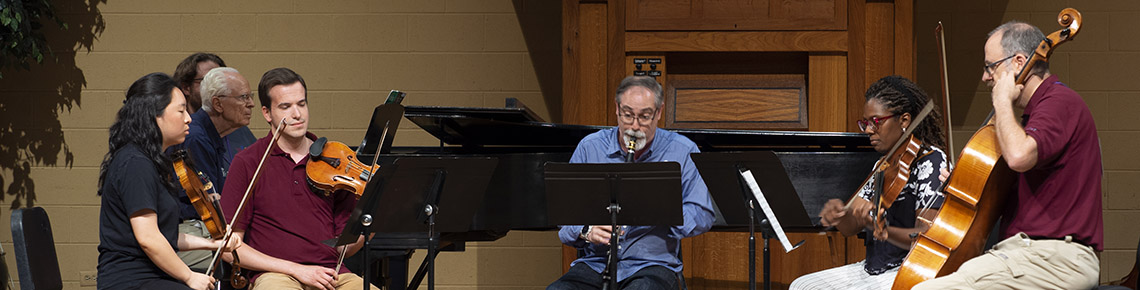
420	194
722	173
641	194
381	128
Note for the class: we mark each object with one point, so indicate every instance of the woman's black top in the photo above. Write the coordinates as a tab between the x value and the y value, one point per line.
132	183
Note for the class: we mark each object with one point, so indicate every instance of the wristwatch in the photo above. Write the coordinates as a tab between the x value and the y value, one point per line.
585	231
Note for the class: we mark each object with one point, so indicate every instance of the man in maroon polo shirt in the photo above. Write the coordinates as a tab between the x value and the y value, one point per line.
1052	224
284	222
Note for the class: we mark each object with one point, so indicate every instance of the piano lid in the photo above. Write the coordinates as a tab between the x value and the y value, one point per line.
476	127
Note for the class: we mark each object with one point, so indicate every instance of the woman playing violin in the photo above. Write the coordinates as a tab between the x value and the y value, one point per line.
138	217
892	105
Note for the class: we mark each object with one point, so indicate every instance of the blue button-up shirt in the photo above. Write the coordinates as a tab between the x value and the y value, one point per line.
644	246
211	153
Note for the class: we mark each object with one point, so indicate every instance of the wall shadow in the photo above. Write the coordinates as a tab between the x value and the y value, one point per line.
541	23
32	101
965	31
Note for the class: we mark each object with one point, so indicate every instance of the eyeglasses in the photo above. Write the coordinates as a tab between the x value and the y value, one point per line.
643	119
245	98
989	68
873	123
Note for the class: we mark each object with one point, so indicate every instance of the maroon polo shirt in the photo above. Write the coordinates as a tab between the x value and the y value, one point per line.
1061	195
283	217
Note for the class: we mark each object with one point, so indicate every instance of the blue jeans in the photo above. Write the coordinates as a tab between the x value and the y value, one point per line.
651	278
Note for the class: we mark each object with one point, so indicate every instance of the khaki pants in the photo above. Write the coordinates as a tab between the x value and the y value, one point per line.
274	281
1023	263
197	260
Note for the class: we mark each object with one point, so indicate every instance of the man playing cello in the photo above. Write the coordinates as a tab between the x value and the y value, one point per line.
1052	223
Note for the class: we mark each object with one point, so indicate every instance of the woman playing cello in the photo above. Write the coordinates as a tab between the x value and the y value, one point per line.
893	105
138	217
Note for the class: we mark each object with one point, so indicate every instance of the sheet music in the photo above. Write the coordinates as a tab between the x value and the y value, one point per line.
747	174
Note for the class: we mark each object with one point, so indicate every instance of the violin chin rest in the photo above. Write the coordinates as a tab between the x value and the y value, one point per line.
317	147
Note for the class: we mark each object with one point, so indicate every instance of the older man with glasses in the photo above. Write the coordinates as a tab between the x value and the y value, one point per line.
1053	223
217	132
649	256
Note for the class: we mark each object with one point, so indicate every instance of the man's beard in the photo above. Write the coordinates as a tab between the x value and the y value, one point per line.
637	136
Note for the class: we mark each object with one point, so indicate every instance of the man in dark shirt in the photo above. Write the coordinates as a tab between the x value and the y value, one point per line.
218	131
189	75
1053	223
284	221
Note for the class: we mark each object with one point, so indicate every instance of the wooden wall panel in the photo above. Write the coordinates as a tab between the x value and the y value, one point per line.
737	41
904	45
758	102
615	17
718	260
856	58
736	15
586	53
827	84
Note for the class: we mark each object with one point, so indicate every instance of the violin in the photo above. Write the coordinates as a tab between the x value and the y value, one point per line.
199	188
334	167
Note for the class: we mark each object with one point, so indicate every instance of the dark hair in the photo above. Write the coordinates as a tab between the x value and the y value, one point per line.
188	68
147	98
900	95
648	83
1020	37
276	77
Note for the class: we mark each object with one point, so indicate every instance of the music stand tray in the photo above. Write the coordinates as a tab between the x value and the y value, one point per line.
752	186
639	194
385	116
421	195
720	170
580	193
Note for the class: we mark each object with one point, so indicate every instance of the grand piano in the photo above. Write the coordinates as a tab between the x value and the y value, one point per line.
817	163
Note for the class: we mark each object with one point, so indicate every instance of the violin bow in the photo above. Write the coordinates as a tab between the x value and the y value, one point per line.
375	157
245	197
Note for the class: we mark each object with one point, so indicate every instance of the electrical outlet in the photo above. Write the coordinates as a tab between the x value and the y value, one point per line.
87	278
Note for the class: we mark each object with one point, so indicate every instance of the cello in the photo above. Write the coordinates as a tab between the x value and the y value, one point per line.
976	190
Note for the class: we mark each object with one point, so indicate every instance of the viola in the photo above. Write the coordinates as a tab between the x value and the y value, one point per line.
895	164
333	166
199	188
975	191
898	166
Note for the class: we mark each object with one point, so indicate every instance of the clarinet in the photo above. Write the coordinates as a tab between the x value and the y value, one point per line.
611	256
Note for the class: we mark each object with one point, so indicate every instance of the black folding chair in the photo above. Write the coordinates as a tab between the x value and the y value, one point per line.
35	250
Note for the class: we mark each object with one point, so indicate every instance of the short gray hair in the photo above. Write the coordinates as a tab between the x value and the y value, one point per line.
648	83
1020	37
215	83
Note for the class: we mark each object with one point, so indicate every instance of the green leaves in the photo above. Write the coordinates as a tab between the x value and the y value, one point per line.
21	37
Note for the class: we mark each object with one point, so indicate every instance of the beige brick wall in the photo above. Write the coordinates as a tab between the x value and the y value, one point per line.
351	52
1098	64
